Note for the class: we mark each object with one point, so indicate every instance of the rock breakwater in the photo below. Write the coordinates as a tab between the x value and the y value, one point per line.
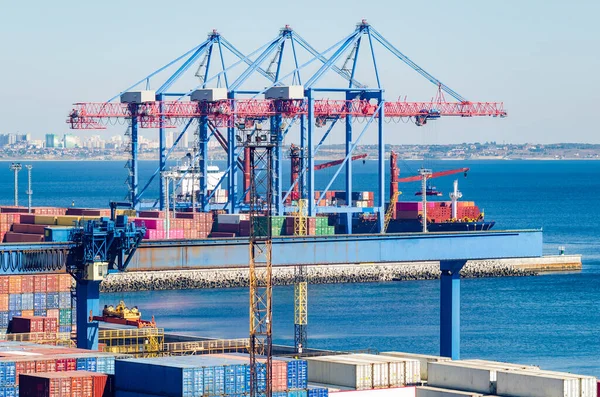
326	274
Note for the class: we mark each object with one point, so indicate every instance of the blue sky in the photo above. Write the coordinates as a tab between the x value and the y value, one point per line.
540	58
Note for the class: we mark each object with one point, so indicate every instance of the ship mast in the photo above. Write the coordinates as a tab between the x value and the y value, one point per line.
454	196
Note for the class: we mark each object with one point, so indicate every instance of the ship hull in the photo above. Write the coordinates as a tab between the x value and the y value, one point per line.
415	226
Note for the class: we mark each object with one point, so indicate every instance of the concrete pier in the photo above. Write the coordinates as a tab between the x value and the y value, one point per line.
329	274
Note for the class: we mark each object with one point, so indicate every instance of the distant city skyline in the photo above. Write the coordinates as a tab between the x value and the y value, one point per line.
538	57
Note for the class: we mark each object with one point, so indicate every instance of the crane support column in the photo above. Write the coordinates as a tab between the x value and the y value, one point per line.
277	136
232	165
348	167
133	171
450	308
162	154
310	167
381	164
88	303
203	163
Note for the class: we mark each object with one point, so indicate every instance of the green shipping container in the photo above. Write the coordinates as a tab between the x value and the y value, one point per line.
65	317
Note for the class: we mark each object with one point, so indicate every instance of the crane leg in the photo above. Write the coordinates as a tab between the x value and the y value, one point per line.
88	300
450	308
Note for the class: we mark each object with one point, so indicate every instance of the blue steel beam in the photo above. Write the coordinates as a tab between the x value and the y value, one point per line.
340	249
222	67
147	78
347	158
327	65
187	64
88	301
390	47
256	64
244	58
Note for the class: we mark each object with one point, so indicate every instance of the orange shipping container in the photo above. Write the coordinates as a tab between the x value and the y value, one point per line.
4	284
27	313
64	282
3	302
14	285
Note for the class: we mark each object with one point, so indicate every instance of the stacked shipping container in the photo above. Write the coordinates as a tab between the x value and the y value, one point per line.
208	375
39	296
24	358
185	225
437	211
64	384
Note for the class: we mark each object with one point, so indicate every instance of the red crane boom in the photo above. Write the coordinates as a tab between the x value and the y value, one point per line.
434	175
340	161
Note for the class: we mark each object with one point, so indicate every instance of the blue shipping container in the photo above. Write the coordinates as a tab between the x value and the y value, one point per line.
40	312
13	313
106	365
317	391
64	328
52	300
167	377
14	302
3	319
87	364
39	301
27	302
8	373
9	391
64	300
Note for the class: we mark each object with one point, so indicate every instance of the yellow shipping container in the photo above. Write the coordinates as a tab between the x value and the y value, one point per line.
126	212
67	220
45	220
90	218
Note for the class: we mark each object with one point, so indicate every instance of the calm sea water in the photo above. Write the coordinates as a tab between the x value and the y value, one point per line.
551	320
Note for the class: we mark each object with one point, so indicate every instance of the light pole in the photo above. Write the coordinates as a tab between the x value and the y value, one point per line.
29	191
16	167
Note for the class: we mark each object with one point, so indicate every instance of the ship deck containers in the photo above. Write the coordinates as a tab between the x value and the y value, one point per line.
336	371
427	391
462	376
401	371
423	359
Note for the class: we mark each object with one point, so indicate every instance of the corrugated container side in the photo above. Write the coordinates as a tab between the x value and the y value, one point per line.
39	283
27	301
4	284
145	376
427	391
451	375
530	384
325	370
379	368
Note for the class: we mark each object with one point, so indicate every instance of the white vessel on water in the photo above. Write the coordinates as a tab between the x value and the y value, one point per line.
186	177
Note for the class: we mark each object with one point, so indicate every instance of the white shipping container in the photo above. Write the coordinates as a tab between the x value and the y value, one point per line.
427	391
380	368
325	369
393	392
233	219
402	371
500	365
587	384
423	360
467	377
536	384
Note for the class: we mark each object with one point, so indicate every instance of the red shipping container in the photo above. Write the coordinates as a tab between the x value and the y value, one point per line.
11	237
4	284
28	219
66	364
151	214
27	284
24	325
24	367
39	283
20	228
51	323
52	283
45	365
150	223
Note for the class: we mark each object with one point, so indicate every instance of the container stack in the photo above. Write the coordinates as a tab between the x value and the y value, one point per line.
36	296
231	225
338	198
209	375
184	225
437	211
480	377
364	371
63	384
20	359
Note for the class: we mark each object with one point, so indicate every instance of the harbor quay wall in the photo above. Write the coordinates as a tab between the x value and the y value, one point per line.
331	274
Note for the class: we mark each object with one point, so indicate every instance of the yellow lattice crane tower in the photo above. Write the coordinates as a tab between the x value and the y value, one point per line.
261	148
300	282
